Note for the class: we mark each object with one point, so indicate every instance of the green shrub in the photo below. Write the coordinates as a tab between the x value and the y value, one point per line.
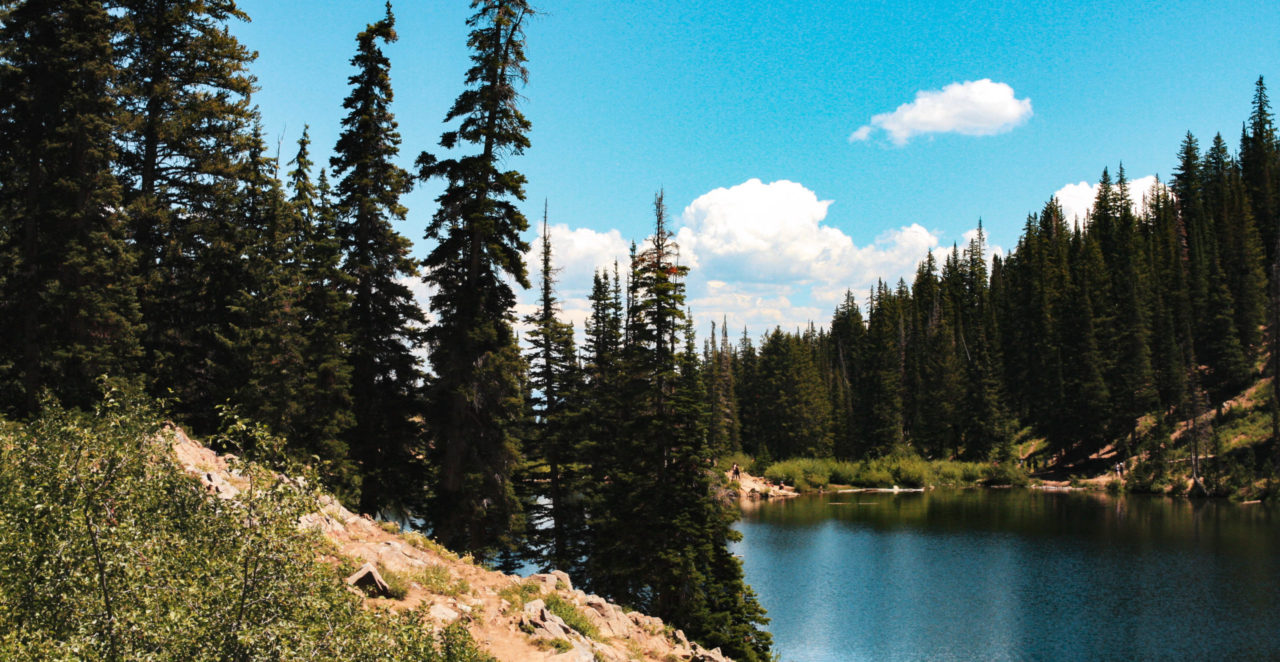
1007	473
426	544
910	471
572	616
109	551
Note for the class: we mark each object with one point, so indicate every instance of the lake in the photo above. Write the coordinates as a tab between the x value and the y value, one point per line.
1014	575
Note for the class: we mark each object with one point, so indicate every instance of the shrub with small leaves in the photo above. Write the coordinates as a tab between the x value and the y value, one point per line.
108	551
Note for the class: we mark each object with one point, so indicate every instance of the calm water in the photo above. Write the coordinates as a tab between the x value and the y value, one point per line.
1015	575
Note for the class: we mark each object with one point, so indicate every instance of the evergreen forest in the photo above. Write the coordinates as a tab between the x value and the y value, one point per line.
152	240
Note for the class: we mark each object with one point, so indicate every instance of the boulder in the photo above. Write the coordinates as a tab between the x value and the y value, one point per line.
368	580
545	581
442	613
562	576
534	607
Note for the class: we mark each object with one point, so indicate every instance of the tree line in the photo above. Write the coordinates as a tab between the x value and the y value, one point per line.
1106	329
148	233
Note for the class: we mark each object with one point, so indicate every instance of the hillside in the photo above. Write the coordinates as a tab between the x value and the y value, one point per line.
509	617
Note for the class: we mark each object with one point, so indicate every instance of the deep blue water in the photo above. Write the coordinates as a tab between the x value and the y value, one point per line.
1015	575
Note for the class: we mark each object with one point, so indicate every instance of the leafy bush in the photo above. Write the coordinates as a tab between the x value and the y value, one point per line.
1007	473
109	551
911	471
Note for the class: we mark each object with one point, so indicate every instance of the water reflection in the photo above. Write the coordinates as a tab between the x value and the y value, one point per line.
1014	575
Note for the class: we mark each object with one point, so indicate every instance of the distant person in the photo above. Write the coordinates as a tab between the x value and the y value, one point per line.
737	473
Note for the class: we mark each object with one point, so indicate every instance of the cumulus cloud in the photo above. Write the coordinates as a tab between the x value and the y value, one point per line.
1077	199
576	253
755	306
762	256
771	233
765	257
972	108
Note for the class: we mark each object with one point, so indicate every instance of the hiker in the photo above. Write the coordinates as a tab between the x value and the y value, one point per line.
737	473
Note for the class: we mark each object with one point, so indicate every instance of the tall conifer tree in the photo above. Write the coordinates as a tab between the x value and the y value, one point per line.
385	320
185	138
554	390
68	311
475	399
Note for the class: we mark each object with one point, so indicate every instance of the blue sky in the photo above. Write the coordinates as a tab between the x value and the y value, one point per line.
743	112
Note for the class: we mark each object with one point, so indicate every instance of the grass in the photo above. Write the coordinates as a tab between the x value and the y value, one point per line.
558	645
433	578
518	594
437	579
572	616
426	544
906	471
1244	427
397	583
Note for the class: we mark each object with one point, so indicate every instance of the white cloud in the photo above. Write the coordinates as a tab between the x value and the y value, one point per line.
973	108
762	256
765	257
1077	199
758	307
772	233
576	253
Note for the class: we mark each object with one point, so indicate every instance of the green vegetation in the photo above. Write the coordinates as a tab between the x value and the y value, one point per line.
557	645
902	471
109	551
572	616
437	579
519	593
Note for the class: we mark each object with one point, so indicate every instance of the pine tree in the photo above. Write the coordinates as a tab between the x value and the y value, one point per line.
848	340
882	386
184	142
324	414
724	427
660	478
385	320
1260	167
1131	382
68	308
554	389
474	403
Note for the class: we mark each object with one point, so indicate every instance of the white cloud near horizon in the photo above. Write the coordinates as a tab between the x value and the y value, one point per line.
1077	199
972	108
762	255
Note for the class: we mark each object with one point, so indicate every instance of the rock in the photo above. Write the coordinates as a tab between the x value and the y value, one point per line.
534	607
443	613
368	579
562	576
578	654
545	581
